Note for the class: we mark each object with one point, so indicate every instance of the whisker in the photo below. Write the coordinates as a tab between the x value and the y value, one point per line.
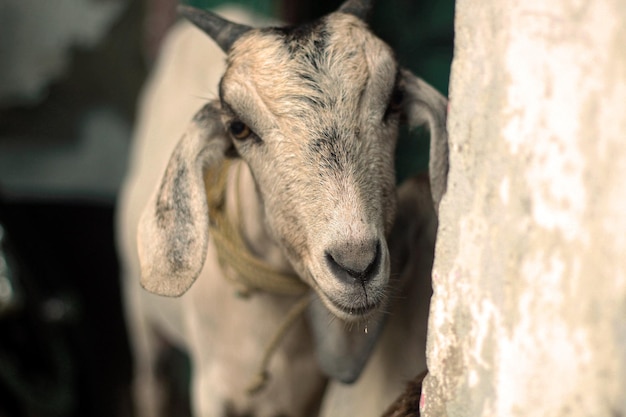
204	98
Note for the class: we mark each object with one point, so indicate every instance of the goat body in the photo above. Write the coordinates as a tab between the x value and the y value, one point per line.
309	116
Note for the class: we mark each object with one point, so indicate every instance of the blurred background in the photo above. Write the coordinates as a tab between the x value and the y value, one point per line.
70	74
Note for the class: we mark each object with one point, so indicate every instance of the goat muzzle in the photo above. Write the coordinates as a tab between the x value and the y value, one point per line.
354	263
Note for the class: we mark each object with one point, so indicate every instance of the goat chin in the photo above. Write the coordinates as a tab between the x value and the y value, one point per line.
353	299
310	116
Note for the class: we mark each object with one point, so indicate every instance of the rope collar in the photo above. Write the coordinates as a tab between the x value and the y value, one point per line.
248	272
251	273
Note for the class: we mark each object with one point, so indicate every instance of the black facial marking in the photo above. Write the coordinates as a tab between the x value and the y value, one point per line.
308	45
307	42
311	82
331	133
311	35
329	149
312	101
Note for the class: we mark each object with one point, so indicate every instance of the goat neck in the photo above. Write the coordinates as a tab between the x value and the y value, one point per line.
245	209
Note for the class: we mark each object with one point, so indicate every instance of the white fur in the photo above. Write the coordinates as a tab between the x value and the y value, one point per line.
294	214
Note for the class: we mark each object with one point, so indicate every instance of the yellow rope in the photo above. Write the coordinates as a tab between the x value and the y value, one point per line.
251	273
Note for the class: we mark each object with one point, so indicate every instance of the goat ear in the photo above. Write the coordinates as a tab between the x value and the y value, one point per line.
173	229
342	349
423	104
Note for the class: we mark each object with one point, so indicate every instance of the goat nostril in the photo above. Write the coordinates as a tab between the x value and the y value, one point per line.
359	262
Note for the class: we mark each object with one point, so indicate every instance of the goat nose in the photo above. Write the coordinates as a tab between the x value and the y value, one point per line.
354	261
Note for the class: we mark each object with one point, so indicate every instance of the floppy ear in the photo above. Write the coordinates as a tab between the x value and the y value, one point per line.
173	230
343	349
423	104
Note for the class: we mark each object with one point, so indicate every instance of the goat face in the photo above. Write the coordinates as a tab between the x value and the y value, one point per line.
314	112
309	111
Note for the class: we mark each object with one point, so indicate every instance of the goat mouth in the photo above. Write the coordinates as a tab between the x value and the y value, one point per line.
355	311
358	311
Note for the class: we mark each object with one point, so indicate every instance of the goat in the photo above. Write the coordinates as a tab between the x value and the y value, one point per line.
296	160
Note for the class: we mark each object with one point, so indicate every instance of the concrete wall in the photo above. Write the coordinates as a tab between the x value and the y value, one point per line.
528	316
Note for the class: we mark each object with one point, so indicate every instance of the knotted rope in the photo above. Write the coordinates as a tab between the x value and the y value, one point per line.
250	272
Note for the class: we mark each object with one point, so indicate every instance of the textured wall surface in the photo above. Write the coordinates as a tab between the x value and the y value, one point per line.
528	316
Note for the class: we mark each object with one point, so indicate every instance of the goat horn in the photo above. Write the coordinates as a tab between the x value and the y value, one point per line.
222	31
358	8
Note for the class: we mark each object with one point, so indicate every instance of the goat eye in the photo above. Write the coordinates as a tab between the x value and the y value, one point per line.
239	130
